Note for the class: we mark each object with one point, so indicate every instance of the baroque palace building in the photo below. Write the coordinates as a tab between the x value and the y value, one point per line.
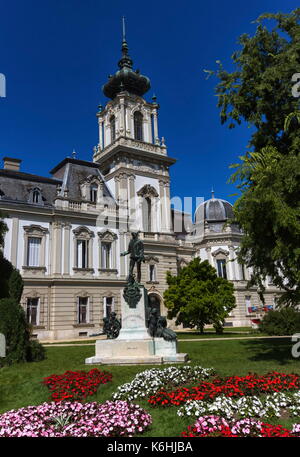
66	232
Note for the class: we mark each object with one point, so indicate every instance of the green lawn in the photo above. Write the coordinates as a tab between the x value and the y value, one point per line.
20	385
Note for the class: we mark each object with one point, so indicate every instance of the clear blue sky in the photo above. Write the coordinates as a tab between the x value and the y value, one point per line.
56	54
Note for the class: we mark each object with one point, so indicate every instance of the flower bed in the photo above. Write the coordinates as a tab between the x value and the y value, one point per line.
148	382
75	419
75	385
208	426
233	386
269	406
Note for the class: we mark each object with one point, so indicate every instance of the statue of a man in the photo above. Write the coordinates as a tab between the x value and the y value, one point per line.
136	251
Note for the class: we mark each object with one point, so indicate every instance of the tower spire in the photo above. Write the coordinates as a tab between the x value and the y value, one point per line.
125	60
212	193
125	79
124	29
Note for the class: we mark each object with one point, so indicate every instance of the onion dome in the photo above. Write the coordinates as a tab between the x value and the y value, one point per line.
126	79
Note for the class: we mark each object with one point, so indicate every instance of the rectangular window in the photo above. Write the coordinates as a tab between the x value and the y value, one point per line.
152	273
221	268
33	251
108	306
82	253
106	255
32	309
83	310
94	191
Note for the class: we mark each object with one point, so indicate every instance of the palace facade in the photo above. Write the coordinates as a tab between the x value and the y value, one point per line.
66	232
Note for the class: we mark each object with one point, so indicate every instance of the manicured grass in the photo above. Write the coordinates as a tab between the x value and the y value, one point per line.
21	384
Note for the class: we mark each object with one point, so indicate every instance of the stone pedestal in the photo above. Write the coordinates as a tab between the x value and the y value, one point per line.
134	345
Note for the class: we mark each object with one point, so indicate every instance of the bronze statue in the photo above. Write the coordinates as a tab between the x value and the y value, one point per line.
157	326
136	251
111	326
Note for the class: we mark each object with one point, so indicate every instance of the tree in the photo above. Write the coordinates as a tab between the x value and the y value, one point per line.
13	324
197	296
3	229
259	92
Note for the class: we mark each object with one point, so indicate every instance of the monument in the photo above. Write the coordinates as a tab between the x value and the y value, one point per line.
143	337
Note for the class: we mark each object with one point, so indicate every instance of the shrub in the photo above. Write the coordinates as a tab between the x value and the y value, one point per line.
285	321
35	351
14	326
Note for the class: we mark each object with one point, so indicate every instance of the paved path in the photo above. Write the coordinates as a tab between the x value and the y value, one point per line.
185	340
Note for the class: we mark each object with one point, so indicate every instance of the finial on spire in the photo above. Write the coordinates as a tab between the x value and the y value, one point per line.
74	154
124	29
212	193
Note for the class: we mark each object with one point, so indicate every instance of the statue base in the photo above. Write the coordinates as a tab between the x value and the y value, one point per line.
134	346
136	352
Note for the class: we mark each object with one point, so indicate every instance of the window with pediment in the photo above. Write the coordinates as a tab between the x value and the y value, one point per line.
147	195
83	248
220	256
35	247
107	250
83	309
92	188
35	196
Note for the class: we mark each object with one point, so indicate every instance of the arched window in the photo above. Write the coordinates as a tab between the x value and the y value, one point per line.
138	126
147	214
35	196
112	128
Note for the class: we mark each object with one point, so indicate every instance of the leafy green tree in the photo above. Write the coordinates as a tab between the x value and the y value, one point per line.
285	321
197	296
259	92
3	229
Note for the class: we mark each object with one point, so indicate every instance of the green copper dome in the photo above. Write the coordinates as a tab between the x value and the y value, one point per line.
126	79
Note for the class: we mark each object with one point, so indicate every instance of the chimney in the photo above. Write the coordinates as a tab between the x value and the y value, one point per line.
11	164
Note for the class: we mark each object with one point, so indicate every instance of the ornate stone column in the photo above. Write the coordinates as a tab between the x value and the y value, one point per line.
122	117
162	206
123	248
67	248
132	196
149	128
100	124
155	127
231	264
123	198
209	256
56	247
168	206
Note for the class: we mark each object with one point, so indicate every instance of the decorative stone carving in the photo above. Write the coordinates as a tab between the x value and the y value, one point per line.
83	232
35	230
220	251
147	191
132	293
107	236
